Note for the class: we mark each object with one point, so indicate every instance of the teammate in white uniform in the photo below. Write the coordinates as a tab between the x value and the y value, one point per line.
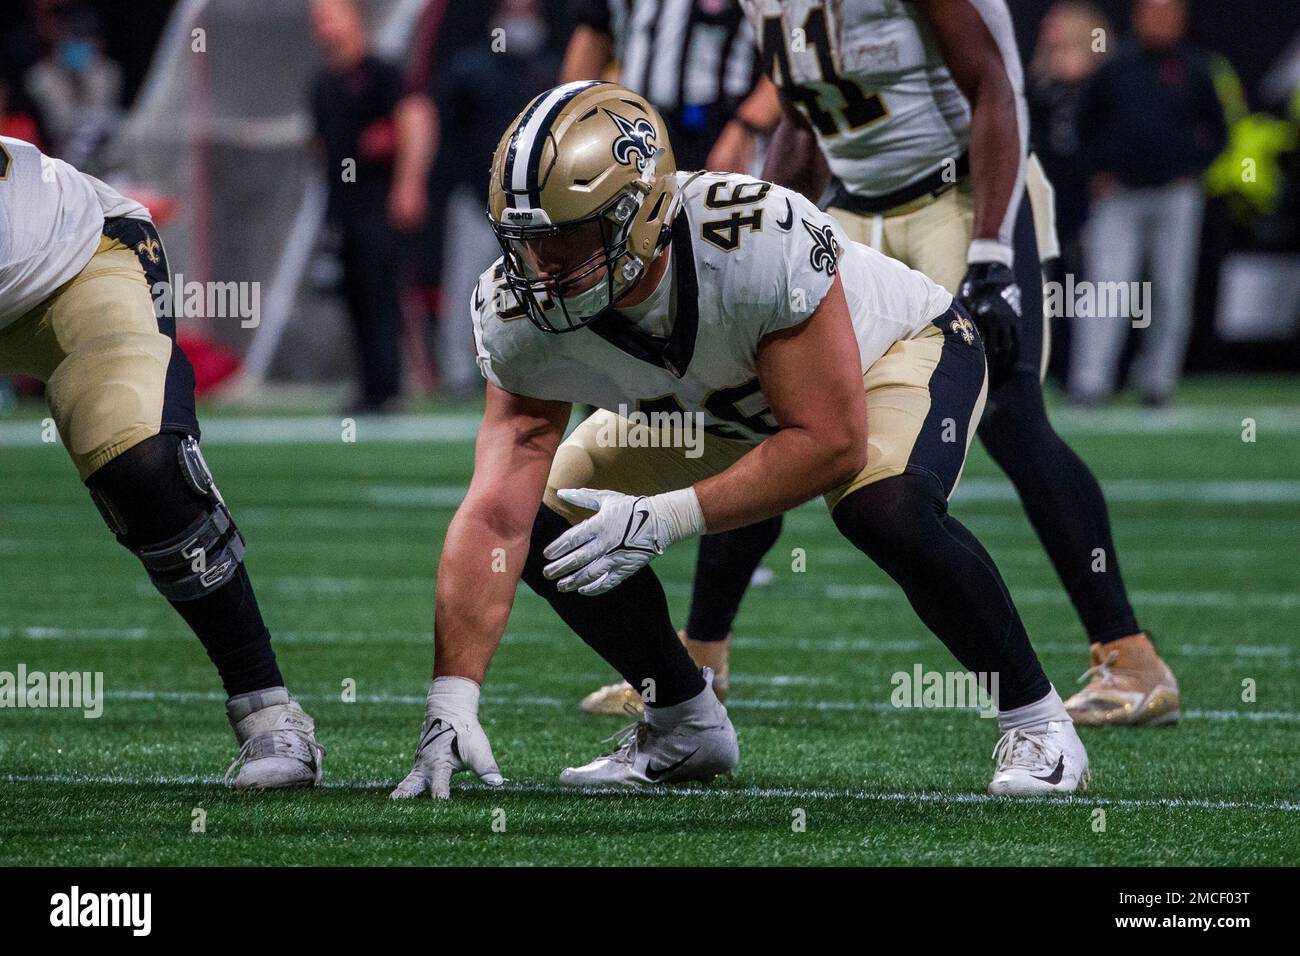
734	303
51	221
83	293
914	114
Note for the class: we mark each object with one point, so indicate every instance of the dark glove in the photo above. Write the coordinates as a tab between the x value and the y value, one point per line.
990	294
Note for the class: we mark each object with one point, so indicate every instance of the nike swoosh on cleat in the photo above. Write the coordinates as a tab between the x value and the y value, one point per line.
1055	776
653	774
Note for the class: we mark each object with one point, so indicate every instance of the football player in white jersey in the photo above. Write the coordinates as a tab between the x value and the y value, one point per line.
674	300
85	308
913	113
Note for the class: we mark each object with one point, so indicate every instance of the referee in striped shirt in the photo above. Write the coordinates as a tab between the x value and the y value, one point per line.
693	59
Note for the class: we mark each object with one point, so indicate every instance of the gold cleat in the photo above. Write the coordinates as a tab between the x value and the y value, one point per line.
613	699
620	699
1128	684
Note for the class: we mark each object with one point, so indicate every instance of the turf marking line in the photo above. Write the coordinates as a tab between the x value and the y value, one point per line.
447	427
696	793
984	490
1265	716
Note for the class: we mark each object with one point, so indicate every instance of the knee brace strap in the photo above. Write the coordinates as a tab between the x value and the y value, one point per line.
200	559
207	553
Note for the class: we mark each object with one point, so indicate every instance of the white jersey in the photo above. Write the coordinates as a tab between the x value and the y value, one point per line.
872	81
748	259
51	219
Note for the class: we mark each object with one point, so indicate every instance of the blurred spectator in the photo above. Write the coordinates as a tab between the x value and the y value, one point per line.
1071	46
485	86
75	87
378	142
1150	123
695	61
479	90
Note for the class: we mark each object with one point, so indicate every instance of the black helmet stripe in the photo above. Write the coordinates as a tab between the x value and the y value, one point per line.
525	152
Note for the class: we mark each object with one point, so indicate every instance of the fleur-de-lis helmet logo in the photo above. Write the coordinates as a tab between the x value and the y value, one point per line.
635	143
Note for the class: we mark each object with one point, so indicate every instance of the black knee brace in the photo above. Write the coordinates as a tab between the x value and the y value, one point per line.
163	488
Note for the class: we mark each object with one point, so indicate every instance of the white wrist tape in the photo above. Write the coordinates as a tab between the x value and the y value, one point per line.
681	512
452	696
989	250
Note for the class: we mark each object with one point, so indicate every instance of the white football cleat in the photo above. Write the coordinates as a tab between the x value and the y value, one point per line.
277	738
1045	758
693	740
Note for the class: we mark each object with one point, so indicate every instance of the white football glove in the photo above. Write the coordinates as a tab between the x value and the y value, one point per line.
624	535
450	741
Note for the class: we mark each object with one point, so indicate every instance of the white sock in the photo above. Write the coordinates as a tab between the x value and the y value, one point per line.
1049	707
699	708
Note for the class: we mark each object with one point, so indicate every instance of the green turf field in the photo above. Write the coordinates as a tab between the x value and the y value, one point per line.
343	545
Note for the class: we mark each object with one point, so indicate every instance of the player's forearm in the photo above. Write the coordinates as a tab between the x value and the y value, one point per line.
761	109
587	55
416	123
789	468
995	156
482	560
794	160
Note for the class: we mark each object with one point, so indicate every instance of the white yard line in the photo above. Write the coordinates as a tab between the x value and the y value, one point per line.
971	490
1270	420
523	700
1021	595
836	645
700	793
315	430
310	587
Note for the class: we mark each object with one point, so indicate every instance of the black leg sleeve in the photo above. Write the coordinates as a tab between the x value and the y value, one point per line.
902	524
628	626
722	571
1064	504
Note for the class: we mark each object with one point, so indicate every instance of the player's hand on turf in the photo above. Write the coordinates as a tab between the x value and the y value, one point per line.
451	741
990	294
624	535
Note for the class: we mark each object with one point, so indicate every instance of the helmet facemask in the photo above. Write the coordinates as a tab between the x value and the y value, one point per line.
566	274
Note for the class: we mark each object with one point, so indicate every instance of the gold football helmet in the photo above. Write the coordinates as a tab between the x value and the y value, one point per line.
581	199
